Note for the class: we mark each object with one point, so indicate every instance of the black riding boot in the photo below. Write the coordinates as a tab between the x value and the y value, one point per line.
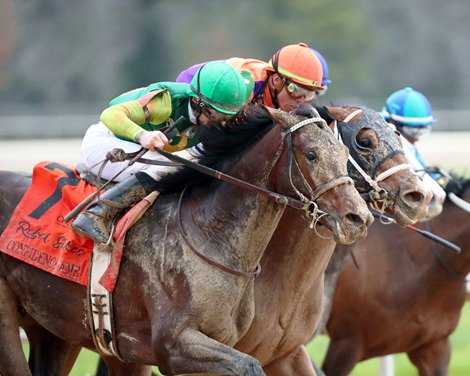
96	222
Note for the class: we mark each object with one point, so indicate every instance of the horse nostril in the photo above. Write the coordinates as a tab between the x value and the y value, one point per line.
414	196
355	219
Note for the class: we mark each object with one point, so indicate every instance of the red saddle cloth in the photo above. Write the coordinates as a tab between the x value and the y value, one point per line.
37	233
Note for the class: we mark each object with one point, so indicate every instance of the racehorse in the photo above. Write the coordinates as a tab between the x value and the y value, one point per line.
404	296
289	290
173	308
288	298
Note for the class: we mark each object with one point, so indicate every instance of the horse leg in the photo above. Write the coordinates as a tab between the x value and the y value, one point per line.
194	352
297	363
341	357
12	358
48	354
433	358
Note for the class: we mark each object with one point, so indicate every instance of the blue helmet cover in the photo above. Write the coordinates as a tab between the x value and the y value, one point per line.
324	65
408	107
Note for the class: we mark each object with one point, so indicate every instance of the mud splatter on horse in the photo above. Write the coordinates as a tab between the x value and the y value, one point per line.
164	299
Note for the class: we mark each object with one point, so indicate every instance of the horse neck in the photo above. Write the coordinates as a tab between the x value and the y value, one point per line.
296	254
241	223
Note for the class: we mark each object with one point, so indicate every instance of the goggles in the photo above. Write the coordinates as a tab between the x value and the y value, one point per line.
415	132
297	92
215	116
322	92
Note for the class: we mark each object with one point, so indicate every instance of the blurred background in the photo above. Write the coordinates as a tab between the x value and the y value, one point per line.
62	61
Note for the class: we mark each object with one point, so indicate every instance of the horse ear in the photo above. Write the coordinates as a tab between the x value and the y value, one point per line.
340	113
280	117
336	113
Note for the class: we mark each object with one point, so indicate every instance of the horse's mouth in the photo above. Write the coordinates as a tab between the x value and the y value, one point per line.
411	205
350	229
407	215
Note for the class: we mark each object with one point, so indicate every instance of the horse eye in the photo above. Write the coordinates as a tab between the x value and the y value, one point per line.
311	156
365	143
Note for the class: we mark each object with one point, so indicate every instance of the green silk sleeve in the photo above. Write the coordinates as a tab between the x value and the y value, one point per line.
125	119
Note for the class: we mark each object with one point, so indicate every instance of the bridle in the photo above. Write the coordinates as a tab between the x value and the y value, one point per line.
377	196
308	204
314	195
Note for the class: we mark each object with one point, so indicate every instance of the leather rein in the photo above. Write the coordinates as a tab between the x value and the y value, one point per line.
306	204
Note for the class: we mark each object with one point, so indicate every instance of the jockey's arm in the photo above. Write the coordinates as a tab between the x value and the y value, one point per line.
124	119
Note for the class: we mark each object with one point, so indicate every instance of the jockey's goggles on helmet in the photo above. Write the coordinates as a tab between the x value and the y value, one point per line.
215	116
296	91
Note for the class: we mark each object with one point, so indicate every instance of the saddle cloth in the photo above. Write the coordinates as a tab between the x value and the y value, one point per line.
38	235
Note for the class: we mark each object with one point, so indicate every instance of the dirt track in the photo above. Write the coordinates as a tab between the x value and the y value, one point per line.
450	150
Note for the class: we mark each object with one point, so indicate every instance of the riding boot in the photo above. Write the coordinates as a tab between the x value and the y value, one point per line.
96	222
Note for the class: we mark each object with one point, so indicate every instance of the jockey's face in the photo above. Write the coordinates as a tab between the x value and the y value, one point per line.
414	134
210	116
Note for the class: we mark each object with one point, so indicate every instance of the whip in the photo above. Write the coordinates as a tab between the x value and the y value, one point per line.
427	234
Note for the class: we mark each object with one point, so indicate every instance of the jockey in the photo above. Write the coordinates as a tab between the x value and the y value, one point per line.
292	77
325	80
410	112
135	119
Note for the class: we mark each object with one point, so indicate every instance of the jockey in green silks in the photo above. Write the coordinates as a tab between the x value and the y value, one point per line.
135	120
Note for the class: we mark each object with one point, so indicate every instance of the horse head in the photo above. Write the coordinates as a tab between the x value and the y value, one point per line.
317	173
377	163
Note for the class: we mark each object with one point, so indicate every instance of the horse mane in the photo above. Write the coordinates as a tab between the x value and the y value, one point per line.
221	147
457	185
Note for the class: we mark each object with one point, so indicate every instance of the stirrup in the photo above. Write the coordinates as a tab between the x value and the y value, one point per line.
109	245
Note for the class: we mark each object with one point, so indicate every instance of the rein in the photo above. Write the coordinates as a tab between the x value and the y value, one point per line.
276	197
304	203
210	261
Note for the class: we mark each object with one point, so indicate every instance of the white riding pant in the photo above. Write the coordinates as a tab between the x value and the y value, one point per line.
99	140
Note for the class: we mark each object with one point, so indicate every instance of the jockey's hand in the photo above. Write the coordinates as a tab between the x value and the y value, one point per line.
152	139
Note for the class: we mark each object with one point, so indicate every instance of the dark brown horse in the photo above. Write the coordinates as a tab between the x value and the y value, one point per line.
172	308
405	296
